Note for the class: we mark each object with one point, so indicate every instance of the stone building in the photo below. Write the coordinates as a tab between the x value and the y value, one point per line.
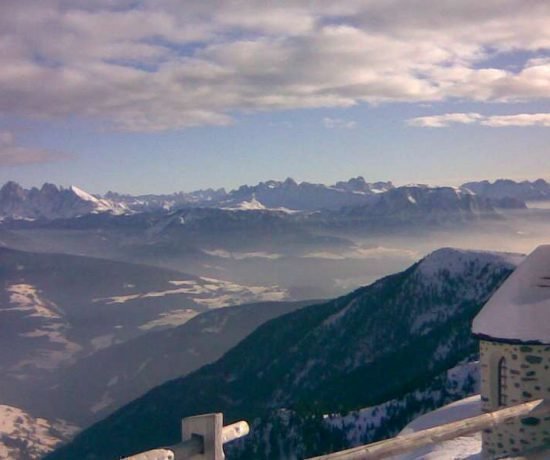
514	332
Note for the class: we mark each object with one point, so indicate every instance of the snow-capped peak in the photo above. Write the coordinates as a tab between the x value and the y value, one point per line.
83	195
52	202
251	205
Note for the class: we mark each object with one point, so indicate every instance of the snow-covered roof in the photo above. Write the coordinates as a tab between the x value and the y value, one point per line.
520	308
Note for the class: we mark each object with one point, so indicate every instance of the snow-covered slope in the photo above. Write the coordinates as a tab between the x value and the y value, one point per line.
461	448
51	202
24	437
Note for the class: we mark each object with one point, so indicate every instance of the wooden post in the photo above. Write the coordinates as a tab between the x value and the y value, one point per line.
203	437
210	428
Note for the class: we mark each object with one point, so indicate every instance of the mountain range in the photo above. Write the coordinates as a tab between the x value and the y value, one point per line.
506	188
52	202
395	340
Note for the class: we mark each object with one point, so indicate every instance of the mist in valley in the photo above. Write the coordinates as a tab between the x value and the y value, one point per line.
317	262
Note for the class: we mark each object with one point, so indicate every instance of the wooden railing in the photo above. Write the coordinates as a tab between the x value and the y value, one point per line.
203	436
408	442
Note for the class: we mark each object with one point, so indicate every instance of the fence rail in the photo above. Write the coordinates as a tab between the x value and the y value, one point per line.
203	436
406	443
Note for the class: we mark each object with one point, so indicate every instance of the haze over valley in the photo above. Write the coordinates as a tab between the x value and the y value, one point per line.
311	240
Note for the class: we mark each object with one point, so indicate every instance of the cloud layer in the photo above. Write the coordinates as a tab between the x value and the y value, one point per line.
155	65
494	121
12	154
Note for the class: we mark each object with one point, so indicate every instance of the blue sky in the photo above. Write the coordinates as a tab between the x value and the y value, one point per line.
162	96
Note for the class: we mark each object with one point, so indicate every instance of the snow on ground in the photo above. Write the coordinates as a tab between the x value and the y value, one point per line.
452	260
209	292
363	252
102	341
461	448
461	379
100	204
223	254
105	401
48	358
24	437
252	205
25	297
173	318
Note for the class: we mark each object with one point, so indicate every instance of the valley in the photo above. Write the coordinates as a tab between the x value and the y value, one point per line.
100	308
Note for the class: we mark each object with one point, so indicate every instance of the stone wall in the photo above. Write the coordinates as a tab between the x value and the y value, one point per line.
526	377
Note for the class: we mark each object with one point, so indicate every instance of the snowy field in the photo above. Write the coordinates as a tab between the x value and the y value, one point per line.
24	437
461	448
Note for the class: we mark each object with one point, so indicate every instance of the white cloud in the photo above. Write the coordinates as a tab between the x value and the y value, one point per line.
522	119
442	121
494	121
166	64
12	154
332	123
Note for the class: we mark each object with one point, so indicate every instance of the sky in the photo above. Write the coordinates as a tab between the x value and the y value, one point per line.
158	96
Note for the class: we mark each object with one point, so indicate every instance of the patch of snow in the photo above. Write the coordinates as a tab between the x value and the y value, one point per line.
251	205
83	195
99	204
143	365
25	436
183	282
105	401
25	297
332	319
461	448
242	255
358	252
208	292
172	318
102	341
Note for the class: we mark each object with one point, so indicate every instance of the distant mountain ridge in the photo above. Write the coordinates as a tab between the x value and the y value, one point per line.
506	188
414	205
381	342
305	196
51	202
